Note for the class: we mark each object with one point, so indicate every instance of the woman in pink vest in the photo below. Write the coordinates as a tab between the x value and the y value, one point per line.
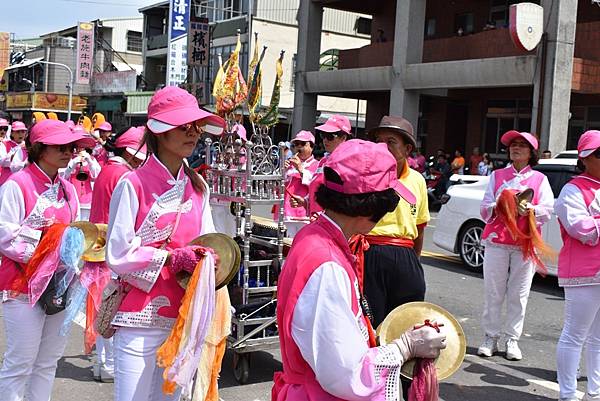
155	212
30	201
128	156
102	134
578	211
15	158
506	274
336	130
300	169
327	343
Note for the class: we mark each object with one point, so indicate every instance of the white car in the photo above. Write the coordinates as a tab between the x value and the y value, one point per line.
459	225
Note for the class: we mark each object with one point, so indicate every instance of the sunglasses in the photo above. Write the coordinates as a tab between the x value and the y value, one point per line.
70	147
191	126
330	136
3	128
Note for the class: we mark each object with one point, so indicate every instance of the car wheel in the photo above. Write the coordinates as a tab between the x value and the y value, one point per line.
469	245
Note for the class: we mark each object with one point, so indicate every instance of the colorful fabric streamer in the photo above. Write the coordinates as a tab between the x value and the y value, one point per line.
94	277
180	353
270	118
524	231
425	385
255	80
50	242
75	303
230	89
71	250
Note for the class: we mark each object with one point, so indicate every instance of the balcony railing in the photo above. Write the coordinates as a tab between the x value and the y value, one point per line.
157	41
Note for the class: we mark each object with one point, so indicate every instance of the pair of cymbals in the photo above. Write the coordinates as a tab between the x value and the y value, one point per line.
90	233
229	258
407	316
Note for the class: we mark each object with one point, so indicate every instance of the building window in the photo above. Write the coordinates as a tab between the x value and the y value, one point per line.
207	9
134	41
231	8
430	28
463	24
363	25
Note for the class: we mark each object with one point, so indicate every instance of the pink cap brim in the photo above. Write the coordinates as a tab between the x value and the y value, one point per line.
138	154
510	136
404	192
80	140
166	121
330	128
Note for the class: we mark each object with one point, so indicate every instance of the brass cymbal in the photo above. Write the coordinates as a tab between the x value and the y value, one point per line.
407	316
229	255
97	253
90	233
525	195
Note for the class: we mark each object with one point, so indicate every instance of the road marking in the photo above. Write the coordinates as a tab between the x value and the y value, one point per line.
551	386
435	255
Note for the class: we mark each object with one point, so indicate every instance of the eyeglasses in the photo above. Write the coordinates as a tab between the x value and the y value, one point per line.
300	143
330	136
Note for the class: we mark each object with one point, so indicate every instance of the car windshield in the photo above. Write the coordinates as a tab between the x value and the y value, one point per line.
557	176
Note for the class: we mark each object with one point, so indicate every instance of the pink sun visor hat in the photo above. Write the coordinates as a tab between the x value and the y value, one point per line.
105	126
588	143
4	122
365	167
510	136
171	107
304	136
130	140
55	132
336	123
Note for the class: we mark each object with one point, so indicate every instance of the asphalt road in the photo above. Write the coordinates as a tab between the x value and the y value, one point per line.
450	285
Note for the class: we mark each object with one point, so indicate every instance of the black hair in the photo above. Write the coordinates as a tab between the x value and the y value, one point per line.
34	151
109	145
374	205
151	143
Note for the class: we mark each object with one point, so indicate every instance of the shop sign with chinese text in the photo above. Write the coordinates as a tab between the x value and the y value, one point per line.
179	21
85	53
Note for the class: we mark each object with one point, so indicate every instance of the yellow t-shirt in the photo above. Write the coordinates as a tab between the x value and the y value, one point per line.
402	222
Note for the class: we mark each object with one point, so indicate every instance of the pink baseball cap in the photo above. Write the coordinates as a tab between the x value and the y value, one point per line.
365	167
55	132
4	122
18	126
588	143
510	136
304	136
130	140
240	131
105	126
171	107
336	123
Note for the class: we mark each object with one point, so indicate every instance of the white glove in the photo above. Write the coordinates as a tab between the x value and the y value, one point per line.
424	342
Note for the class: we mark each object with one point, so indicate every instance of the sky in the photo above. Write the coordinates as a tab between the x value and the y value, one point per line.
32	18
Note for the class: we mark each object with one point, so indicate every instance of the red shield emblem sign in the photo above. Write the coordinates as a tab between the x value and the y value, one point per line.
526	25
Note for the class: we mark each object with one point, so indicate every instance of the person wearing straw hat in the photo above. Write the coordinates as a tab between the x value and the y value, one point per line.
393	272
507	274
15	158
128	155
578	211
299	170
327	344
30	201
336	130
155	212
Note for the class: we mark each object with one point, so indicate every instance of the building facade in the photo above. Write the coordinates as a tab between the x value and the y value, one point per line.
451	69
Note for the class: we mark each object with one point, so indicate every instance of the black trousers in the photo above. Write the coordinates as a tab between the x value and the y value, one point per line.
393	276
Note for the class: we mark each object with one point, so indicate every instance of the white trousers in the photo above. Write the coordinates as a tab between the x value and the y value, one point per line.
105	354
137	378
582	325
506	276
33	348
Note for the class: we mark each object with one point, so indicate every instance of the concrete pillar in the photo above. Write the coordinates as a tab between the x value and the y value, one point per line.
408	49
310	21
560	18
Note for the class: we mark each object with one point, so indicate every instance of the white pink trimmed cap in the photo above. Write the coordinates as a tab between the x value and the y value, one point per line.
171	107
130	140
588	143
364	167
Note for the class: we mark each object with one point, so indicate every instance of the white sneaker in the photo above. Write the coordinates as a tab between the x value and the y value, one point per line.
103	375
513	353
589	397
489	346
